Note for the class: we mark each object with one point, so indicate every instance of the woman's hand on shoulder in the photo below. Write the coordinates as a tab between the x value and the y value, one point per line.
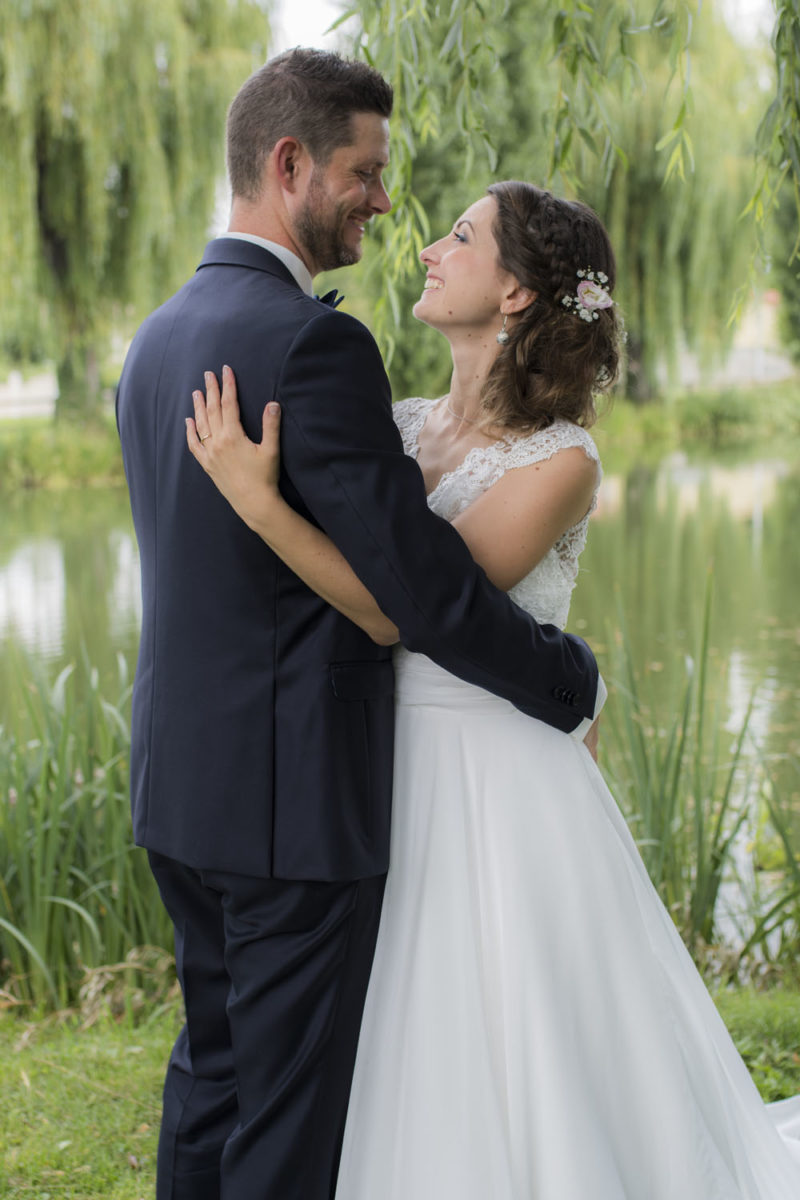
245	472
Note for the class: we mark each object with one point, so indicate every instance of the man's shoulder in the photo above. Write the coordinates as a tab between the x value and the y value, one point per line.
324	324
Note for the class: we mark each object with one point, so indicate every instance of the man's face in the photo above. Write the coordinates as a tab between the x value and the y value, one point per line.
343	195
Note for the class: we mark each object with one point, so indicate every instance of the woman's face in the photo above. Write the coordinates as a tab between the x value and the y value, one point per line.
465	286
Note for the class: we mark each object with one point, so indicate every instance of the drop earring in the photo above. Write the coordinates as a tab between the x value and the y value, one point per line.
502	336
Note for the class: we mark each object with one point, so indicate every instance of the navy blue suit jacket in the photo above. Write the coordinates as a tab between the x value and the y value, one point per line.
263	719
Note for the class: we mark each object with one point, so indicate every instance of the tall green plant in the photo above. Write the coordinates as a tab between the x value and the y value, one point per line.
684	788
74	892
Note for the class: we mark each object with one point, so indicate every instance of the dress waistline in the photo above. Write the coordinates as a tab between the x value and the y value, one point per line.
420	681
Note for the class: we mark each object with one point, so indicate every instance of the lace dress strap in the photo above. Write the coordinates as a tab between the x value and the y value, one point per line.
542	445
409	417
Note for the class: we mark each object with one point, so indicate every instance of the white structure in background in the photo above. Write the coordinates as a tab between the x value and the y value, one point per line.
33	397
32	597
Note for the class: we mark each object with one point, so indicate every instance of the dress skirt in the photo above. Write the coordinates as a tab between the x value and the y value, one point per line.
534	1027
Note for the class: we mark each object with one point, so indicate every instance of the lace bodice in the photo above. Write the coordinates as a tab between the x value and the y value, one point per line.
546	591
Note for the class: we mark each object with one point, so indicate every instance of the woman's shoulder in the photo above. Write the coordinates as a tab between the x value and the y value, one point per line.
542	444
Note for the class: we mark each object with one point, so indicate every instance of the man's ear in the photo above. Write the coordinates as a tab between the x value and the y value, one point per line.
518	298
287	155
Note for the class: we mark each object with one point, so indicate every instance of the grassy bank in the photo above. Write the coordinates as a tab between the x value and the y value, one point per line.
37	452
81	1106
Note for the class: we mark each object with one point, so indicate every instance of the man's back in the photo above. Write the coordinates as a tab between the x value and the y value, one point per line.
262	718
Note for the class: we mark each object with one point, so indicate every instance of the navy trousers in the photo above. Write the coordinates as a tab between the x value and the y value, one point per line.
274	975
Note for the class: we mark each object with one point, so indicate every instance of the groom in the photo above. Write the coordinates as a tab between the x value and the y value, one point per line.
261	756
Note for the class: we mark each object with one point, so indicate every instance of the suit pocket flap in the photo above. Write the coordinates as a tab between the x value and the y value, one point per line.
362	680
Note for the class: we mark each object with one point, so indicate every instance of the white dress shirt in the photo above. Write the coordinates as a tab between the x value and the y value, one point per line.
289	259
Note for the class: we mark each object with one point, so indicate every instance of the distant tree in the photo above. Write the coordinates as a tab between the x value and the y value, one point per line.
111	121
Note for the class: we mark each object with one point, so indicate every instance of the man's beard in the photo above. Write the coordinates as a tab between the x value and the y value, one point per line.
320	229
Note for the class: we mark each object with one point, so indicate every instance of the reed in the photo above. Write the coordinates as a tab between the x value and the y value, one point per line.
689	788
75	893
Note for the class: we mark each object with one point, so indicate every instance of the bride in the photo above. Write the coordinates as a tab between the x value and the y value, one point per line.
534	1027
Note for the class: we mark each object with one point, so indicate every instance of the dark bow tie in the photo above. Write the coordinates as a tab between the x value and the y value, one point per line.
333	299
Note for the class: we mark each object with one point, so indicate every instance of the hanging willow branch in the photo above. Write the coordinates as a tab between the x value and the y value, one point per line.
440	55
778	139
111	122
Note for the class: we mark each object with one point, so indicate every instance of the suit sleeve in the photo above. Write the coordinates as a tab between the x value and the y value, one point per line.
343	453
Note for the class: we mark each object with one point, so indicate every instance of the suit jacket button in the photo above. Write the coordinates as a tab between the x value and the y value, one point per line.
558	692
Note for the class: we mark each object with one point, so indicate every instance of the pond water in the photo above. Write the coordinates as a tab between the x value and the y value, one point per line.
69	586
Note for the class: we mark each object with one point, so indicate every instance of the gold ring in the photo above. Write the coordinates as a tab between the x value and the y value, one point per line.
205	439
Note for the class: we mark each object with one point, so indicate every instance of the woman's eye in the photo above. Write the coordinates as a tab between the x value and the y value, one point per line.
459	236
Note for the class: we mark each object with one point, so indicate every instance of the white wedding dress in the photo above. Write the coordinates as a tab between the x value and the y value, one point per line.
534	1027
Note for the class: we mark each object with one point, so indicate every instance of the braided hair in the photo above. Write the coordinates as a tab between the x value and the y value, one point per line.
554	363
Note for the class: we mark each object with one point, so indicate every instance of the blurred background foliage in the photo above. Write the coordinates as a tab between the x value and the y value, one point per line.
112	114
111	122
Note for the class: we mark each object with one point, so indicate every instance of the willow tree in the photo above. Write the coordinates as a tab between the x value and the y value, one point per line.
595	102
111	115
682	246
447	59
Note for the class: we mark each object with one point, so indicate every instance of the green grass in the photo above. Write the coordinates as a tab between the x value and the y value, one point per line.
766	1029
80	1109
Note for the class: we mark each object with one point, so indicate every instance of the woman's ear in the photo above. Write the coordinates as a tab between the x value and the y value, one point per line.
517	299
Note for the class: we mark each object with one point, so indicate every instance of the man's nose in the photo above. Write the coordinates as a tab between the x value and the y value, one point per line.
379	199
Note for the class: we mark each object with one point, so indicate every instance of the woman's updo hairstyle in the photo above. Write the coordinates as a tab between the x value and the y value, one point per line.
554	362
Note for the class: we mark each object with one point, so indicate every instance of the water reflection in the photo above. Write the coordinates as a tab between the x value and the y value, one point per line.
69	585
32	590
69	582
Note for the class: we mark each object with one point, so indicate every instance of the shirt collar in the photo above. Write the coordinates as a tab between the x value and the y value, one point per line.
298	268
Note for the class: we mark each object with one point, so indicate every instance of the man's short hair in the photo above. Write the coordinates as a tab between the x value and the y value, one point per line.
310	95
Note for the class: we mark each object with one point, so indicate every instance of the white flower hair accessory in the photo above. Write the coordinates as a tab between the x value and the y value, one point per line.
590	295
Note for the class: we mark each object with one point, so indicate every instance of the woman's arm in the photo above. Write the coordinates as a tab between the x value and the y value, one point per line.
508	529
247	475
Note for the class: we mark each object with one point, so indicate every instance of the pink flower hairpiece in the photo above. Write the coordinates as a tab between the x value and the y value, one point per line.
590	295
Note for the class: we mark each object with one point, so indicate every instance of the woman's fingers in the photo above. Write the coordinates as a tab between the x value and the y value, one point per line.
229	402
213	406
192	436
201	421
271	427
270	449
